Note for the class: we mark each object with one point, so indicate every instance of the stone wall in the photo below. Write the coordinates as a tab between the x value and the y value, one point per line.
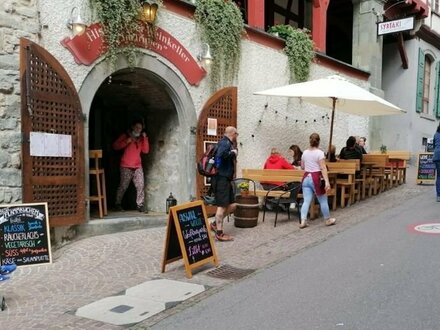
18	19
282	123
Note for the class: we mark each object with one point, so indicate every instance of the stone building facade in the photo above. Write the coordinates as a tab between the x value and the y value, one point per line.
170	105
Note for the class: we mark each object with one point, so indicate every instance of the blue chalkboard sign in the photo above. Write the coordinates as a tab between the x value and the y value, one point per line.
25	235
189	237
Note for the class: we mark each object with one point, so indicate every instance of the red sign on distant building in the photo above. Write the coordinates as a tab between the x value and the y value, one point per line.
87	47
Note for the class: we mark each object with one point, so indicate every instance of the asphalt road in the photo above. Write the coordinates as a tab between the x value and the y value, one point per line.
376	275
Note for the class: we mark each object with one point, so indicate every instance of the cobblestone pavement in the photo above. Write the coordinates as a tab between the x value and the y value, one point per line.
46	296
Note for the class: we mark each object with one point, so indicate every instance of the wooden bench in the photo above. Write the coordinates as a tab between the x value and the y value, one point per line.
399	159
260	175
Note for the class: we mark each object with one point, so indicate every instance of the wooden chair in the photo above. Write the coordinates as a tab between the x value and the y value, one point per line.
376	177
345	181
359	180
97	173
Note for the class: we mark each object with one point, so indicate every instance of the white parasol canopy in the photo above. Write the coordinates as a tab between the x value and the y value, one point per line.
337	94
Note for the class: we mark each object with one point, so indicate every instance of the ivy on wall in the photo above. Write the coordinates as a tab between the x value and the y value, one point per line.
299	50
120	18
221	26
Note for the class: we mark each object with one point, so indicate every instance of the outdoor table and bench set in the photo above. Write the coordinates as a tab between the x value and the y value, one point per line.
350	180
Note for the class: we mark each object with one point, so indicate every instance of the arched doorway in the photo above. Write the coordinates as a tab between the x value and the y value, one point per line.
124	96
155	93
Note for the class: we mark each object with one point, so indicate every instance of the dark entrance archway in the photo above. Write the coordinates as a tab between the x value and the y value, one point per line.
123	96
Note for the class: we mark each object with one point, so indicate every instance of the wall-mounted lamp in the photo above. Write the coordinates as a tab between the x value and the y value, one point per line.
205	56
148	12
76	24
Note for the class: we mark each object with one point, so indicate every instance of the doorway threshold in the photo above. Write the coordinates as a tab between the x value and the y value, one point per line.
116	222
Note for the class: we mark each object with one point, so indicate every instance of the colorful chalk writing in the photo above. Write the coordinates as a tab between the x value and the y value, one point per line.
24	234
425	168
194	233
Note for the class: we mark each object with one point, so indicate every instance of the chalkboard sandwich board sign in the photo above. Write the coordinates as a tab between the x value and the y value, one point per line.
25	235
188	237
425	168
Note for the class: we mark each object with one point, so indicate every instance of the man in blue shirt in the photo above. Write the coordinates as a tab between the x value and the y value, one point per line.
225	158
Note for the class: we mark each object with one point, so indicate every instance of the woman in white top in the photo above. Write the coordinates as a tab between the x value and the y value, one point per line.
313	162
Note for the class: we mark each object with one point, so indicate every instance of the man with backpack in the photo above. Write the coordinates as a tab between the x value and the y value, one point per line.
225	157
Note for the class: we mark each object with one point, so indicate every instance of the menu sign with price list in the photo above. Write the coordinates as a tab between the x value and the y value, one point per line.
188	237
425	168
25	236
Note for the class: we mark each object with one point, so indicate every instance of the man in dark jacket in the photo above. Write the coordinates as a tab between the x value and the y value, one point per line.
350	151
221	183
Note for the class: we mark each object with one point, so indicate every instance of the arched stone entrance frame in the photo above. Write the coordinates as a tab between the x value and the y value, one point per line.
185	188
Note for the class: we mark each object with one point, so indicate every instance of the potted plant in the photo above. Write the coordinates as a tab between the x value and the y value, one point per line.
244	188
383	149
299	50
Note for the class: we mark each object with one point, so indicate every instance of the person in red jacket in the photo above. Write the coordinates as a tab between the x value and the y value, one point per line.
133	143
275	162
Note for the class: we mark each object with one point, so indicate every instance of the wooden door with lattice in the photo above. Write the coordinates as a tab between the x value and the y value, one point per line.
221	106
50	104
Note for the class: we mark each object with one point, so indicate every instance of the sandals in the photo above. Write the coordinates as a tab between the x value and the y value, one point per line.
303	224
330	221
223	238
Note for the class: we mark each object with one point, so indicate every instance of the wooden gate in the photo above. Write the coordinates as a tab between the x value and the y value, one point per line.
223	107
50	104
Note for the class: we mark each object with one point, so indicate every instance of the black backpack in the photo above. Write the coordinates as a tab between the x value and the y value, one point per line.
206	165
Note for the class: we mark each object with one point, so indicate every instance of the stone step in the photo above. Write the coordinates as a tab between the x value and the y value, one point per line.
116	222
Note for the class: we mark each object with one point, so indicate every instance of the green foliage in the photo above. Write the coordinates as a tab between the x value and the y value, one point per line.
383	149
120	18
221	25
299	50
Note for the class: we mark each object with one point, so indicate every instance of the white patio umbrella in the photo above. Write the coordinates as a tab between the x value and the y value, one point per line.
337	94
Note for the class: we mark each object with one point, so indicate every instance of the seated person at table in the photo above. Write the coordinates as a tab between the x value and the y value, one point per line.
332	158
275	162
360	144
296	154
350	151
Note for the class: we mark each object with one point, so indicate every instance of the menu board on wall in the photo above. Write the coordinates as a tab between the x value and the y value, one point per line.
425	168
25	236
188	237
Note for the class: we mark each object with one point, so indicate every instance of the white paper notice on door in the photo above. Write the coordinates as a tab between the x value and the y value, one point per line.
50	145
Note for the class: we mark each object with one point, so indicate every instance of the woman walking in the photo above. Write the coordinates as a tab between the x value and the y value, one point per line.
313	163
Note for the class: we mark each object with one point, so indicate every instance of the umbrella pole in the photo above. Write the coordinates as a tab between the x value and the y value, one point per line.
331	128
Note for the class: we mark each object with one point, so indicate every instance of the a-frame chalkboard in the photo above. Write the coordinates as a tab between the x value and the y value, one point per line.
188	236
25	234
425	168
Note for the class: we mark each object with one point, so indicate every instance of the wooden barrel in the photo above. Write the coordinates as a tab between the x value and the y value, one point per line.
246	213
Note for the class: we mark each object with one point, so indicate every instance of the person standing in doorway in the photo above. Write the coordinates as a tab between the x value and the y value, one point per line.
313	163
133	143
436	160
221	183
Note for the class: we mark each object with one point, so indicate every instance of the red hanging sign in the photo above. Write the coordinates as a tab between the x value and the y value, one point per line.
86	49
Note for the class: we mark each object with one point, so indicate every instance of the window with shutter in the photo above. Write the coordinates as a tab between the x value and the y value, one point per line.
426	84
437	90
420	75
